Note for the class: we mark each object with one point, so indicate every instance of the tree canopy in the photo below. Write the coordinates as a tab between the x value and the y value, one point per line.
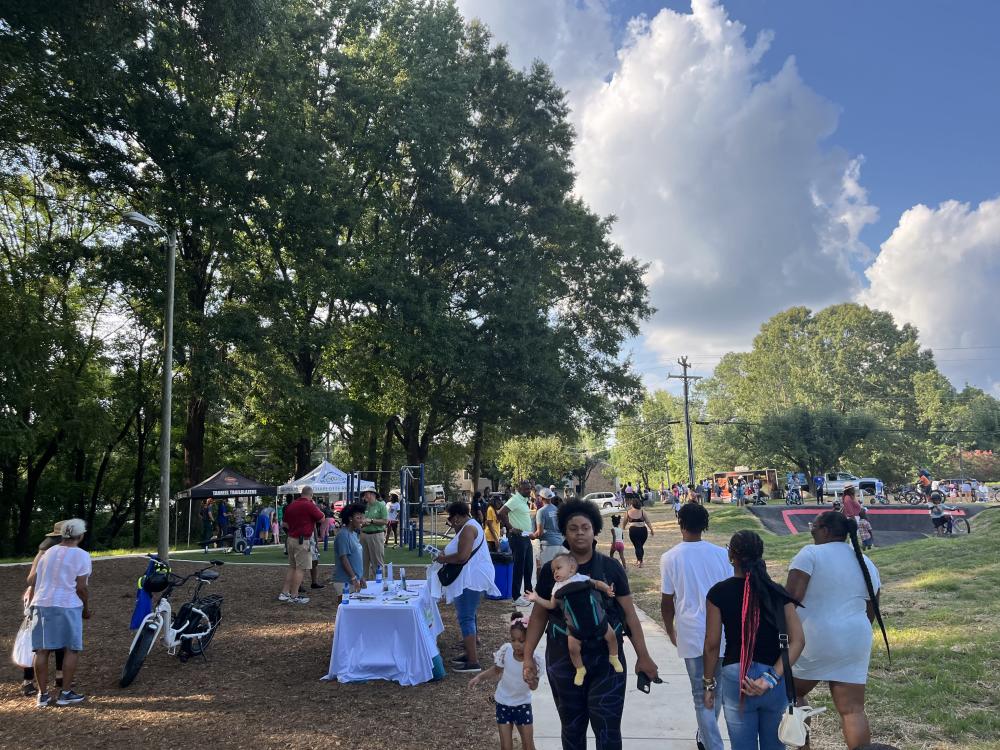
379	248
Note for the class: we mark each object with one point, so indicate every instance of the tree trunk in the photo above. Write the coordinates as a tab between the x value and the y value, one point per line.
75	505
386	477
139	484
303	456
103	470
373	453
9	476
27	504
194	441
477	454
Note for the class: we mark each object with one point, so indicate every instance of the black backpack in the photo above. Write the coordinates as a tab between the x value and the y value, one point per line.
613	610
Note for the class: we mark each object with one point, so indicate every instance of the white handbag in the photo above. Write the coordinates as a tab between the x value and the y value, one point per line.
793	730
22	654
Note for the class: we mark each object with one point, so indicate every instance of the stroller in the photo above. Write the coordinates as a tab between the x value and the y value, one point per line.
243	538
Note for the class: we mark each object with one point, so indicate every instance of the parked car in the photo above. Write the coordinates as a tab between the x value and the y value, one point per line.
604	500
835	481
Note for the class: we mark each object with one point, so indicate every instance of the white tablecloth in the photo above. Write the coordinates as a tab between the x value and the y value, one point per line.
384	640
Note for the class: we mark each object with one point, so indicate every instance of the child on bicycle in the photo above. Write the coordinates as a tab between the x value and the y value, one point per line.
937	509
513	694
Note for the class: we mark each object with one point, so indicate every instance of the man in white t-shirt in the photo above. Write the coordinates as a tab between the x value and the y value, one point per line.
687	572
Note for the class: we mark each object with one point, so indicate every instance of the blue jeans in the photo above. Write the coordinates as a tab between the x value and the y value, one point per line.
708	718
754	724
466	608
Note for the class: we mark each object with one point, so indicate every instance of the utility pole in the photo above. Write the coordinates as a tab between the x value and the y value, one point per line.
683	362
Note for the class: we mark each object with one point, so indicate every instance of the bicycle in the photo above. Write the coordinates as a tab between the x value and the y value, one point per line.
959	525
187	634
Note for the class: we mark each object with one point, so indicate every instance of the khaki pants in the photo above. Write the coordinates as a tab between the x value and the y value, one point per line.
373	549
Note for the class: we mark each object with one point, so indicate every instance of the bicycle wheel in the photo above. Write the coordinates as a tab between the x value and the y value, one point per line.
914	498
198	623
137	655
960	526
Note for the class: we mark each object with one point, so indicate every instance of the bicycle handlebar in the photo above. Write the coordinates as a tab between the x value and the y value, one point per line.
176	580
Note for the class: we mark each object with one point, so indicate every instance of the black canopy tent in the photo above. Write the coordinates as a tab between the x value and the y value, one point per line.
223	484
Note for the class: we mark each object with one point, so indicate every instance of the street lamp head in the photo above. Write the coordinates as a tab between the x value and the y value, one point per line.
140	221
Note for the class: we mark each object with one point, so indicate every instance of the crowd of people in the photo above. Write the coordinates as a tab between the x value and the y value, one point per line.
818	623
820	618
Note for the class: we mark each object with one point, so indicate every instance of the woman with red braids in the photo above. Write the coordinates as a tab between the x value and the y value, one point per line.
752	686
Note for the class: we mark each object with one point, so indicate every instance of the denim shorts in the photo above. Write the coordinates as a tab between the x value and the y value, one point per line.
53	628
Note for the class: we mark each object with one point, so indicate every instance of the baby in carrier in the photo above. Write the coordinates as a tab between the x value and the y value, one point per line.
583	608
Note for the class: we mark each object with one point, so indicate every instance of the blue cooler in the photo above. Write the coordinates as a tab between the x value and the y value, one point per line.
503	574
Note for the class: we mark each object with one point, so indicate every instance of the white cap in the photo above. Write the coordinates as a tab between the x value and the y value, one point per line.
73	528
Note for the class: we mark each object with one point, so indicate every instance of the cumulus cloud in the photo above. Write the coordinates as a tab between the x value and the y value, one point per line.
721	179
727	182
940	271
575	38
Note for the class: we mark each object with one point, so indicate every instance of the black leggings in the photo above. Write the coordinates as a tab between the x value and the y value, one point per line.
29	672
638	536
524	564
599	702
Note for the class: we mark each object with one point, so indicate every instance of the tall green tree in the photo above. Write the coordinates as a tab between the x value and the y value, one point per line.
811	440
645	441
543	459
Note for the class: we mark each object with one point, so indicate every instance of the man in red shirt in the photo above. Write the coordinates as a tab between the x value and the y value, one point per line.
301	519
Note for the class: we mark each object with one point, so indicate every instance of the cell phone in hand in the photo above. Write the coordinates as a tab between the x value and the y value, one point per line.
644	682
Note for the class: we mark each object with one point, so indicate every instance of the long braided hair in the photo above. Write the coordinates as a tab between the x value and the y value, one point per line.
841	527
760	594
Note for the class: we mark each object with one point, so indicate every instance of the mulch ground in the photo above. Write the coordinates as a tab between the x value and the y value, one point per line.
260	688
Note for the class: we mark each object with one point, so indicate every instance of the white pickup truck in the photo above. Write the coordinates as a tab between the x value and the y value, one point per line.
835	482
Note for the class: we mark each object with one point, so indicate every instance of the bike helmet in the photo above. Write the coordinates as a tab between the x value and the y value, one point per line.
936	495
155	582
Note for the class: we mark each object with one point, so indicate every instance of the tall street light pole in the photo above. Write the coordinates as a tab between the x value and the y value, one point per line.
136	219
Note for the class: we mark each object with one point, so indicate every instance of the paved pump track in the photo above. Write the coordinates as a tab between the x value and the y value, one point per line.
891	524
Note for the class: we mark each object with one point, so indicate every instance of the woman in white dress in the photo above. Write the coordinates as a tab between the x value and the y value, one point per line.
839	589
468	549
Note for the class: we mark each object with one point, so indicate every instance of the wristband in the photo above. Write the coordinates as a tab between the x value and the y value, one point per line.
771	678
709	684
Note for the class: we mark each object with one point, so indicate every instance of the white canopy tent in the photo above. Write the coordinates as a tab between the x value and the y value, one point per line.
325	479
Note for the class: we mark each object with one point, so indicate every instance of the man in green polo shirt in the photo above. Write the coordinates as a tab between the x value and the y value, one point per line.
515	515
373	533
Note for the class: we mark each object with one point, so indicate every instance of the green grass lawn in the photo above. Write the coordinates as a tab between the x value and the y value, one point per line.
941	604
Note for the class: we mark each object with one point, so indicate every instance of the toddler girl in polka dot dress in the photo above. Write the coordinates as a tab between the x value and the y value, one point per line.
513	694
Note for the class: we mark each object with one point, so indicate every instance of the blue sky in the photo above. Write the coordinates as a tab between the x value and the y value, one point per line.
917	83
866	170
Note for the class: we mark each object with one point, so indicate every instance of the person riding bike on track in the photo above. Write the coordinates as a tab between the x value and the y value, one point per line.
924	483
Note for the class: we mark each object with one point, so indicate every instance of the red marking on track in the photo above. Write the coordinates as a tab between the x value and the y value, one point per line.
785	514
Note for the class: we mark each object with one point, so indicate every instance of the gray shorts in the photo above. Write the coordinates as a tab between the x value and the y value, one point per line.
53	628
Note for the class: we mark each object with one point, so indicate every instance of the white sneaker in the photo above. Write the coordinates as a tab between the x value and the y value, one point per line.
300	600
522	602
283	597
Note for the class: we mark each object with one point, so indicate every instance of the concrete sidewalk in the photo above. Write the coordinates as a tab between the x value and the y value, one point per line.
662	720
